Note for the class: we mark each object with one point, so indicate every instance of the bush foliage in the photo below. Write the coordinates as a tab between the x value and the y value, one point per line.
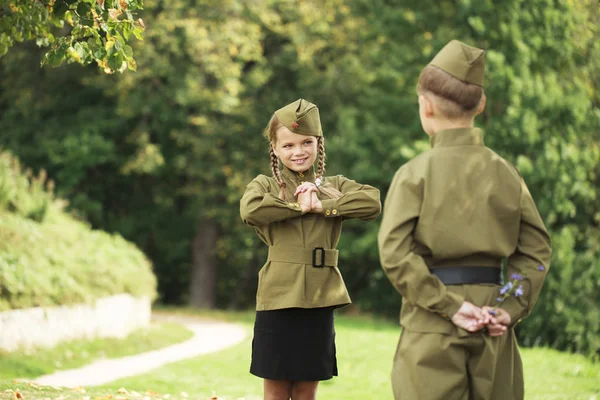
48	258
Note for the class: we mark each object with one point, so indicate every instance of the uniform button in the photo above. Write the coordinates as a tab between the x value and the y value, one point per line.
301	182
296	205
327	212
334	212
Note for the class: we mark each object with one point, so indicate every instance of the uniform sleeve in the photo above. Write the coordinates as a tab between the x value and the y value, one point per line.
405	269
531	258
259	207
357	201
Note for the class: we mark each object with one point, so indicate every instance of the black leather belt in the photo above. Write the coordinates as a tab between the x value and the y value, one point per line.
468	275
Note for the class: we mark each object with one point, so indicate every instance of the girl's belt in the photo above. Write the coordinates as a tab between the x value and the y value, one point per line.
318	257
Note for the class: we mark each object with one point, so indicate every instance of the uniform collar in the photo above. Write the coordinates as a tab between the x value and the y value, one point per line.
457	137
299	177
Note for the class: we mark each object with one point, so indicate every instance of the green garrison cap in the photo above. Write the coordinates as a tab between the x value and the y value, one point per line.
301	117
462	61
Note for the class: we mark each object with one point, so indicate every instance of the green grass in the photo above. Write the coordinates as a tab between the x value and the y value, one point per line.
73	354
365	350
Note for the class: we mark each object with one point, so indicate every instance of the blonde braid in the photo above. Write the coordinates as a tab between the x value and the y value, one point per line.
327	190
277	173
321	159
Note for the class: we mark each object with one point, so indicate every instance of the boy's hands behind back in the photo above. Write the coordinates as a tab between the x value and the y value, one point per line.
472	319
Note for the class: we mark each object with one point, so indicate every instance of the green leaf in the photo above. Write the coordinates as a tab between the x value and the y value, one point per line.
57	55
83	52
127	29
96	48
60	8
115	61
138	32
85	10
128	51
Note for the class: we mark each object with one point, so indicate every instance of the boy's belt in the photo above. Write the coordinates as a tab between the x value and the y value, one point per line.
318	257
468	275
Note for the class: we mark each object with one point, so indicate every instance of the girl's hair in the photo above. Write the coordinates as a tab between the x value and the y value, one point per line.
271	133
324	188
455	98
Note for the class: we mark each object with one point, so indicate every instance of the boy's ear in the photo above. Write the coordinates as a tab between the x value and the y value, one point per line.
427	105
481	106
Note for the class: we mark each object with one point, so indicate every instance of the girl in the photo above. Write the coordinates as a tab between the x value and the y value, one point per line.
298	213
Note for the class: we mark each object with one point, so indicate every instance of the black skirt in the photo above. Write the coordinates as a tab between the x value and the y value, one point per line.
294	344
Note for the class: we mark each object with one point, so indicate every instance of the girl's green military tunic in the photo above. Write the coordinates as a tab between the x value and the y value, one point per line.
288	279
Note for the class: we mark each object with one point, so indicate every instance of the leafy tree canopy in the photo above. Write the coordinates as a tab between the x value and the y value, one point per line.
82	31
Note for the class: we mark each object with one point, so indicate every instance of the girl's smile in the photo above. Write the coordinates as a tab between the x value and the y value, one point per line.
296	152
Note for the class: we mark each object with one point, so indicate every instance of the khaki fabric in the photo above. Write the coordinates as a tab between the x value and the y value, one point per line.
476	366
280	224
301	117
462	61
459	204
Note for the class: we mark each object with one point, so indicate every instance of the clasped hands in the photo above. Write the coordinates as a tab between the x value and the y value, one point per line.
307	198
472	318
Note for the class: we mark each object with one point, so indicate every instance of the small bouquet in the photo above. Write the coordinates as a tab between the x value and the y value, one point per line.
512	288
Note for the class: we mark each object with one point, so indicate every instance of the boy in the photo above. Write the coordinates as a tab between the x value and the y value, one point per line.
452	214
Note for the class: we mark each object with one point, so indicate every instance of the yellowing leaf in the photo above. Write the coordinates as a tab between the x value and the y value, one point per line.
113	13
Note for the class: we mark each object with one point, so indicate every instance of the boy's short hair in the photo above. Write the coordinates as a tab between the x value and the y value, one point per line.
454	98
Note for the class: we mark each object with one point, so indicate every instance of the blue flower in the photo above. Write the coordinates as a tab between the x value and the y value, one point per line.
519	291
541	268
518	277
499	299
506	288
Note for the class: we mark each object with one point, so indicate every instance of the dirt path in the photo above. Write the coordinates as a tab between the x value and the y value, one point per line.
208	337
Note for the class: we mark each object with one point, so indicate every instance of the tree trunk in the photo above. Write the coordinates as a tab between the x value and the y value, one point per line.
203	280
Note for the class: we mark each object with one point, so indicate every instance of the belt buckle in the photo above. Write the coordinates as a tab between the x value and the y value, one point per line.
314	257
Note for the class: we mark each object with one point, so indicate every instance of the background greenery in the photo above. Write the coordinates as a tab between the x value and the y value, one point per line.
49	258
162	155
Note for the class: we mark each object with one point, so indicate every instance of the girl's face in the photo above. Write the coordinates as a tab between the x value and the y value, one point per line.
297	152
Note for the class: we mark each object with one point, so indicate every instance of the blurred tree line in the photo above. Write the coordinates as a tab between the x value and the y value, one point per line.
163	155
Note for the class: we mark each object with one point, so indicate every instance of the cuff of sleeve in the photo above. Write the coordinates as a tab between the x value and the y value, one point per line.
515	309
330	208
451	305
295	207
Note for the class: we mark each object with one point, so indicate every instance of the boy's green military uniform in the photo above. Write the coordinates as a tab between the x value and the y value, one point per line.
302	267
459	205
